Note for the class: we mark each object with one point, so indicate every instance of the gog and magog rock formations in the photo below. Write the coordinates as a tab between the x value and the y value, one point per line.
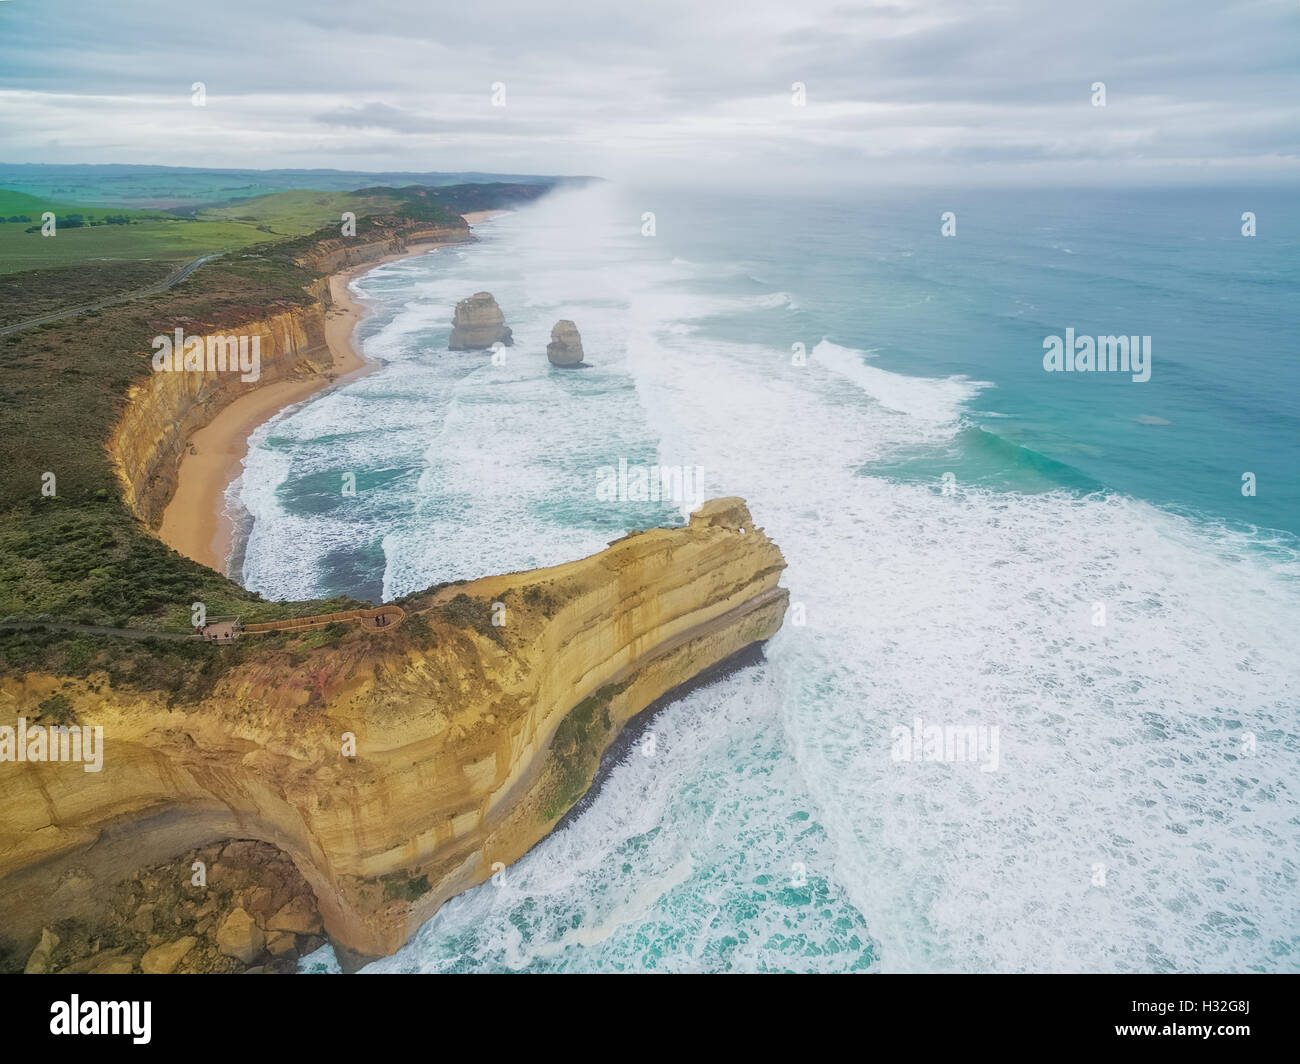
565	348
478	324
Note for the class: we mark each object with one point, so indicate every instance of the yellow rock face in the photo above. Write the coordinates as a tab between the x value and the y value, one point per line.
164	412
471	740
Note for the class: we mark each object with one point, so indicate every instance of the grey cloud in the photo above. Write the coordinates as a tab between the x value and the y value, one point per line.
379	116
894	90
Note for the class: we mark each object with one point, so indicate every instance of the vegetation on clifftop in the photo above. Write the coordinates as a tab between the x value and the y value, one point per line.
80	555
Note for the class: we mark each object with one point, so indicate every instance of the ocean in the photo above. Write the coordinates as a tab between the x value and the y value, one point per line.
1102	570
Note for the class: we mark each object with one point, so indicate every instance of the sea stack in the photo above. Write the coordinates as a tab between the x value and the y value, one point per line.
478	324
565	348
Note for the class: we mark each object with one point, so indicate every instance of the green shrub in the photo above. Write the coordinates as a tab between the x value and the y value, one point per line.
57	710
466	612
398	886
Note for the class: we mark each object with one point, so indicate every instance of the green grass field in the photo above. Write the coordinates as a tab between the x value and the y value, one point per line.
149	235
174	237
21	203
175	241
166	237
299	212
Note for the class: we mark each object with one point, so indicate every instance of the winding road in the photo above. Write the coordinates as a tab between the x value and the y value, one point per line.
125	297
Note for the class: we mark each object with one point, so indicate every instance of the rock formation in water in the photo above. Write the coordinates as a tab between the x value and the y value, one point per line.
471	739
478	324
565	348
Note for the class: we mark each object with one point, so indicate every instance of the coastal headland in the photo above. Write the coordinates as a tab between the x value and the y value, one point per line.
394	768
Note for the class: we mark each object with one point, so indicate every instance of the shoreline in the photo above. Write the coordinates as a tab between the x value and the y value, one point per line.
195	522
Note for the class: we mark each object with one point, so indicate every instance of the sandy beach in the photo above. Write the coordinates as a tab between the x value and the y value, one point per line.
195	522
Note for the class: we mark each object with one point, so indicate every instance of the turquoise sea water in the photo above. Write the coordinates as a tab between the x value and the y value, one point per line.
952	515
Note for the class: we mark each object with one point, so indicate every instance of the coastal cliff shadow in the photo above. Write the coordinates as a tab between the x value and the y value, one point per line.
748	656
89	876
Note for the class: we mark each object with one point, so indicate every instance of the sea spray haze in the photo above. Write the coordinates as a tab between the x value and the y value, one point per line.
1065	561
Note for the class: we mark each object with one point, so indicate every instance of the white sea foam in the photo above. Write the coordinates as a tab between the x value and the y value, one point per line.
1121	744
939	401
773	300
654	873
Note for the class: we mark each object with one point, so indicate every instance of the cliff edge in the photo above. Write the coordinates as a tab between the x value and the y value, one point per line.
394	769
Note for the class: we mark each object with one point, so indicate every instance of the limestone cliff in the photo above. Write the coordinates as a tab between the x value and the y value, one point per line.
472	739
340	253
163	411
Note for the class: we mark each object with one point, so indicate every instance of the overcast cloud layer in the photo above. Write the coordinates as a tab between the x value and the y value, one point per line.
897	90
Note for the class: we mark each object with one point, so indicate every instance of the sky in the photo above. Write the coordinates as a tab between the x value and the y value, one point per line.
895	91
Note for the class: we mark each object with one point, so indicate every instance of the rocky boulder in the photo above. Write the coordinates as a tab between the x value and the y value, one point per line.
110	959
478	324
299	916
240	937
162	960
158	921
39	961
565	348
113	965
280	943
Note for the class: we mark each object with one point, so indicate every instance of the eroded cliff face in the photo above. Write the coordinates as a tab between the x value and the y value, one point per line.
329	256
471	740
164	410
